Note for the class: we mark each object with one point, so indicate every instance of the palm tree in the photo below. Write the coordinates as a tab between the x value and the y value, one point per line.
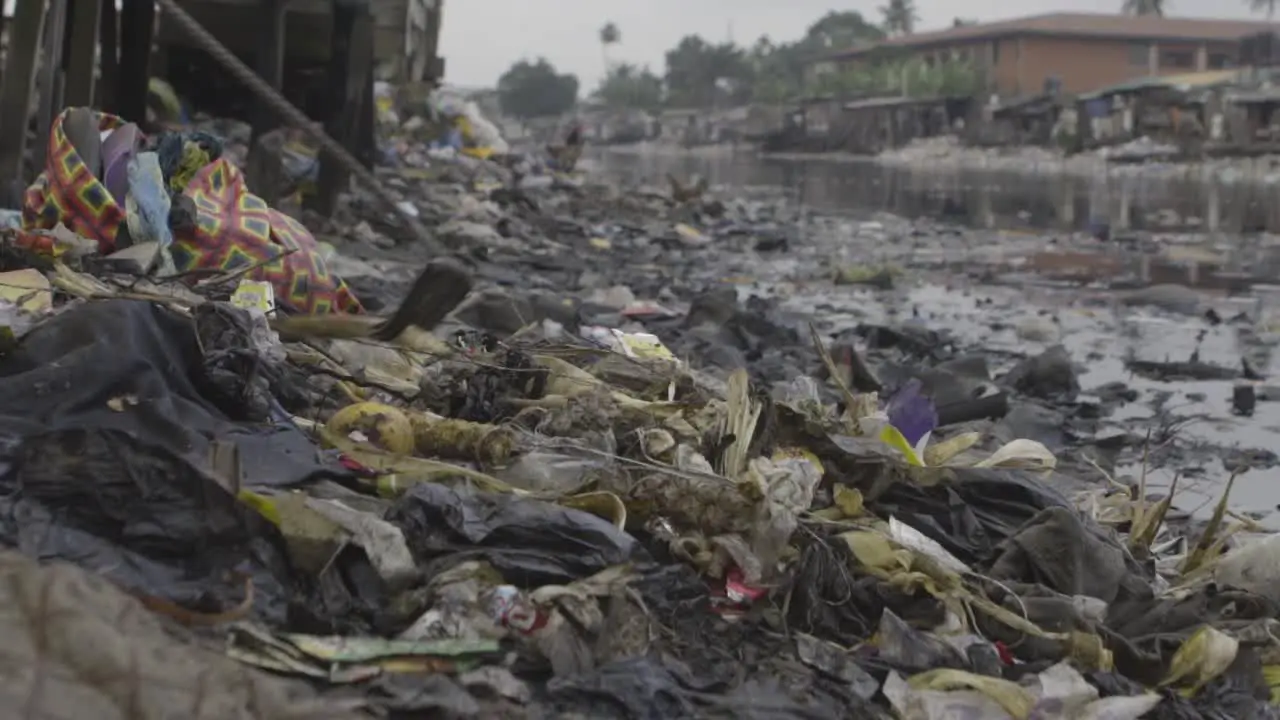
609	35
1267	6
1152	7
900	16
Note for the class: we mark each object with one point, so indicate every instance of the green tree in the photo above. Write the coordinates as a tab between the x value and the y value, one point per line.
1266	6
769	73
761	51
899	17
534	89
1149	7
962	22
699	74
911	77
610	35
840	30
628	87
780	69
777	67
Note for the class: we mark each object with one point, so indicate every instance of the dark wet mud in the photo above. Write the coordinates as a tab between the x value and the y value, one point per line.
1123	302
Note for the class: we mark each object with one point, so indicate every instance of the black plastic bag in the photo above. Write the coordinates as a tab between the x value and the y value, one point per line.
240	381
650	688
144	518
972	513
139	368
532	543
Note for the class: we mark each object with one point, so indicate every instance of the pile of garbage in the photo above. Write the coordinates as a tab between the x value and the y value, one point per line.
1142	159
229	492
948	151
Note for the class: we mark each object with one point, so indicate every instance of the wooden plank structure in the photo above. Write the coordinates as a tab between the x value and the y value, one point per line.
405	32
876	124
17	86
345	39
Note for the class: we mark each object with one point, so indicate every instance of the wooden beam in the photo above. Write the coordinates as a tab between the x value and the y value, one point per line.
55	35
435	67
264	168
82	39
137	25
262	172
109	59
4	24
25	32
350	73
270	59
366	141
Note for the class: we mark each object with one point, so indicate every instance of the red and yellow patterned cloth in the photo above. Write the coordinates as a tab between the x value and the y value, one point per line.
234	228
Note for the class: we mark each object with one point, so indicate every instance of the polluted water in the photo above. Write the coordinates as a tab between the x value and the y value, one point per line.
1125	273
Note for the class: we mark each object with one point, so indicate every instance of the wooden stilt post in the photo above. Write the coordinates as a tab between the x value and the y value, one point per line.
15	95
109	60
82	52
262	179
350	74
137	26
366	132
51	73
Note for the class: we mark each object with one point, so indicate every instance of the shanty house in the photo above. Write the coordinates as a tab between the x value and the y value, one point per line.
1072	52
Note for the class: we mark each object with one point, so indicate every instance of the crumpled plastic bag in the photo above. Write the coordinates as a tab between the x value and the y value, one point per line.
530	542
552	472
1058	693
907	422
141	368
1201	658
1021	454
144	518
652	686
381	364
1254	567
907	648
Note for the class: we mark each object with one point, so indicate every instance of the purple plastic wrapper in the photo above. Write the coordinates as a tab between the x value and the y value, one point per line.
913	414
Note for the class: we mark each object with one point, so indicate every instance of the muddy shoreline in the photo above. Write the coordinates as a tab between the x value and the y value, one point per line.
1007	297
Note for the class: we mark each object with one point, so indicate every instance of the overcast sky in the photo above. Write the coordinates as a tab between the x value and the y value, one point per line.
484	37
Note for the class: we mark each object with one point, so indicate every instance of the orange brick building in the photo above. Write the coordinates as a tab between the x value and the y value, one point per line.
1083	52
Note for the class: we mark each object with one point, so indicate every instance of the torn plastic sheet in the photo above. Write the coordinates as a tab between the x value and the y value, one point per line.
653	688
138	368
1055	694
530	542
913	539
144	518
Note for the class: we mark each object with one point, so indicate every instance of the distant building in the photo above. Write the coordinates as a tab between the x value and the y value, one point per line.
1077	52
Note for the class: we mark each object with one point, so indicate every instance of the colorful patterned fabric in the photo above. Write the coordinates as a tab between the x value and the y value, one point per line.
234	228
68	193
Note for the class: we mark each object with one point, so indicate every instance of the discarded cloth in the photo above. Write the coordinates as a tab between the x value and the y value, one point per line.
71	645
233	228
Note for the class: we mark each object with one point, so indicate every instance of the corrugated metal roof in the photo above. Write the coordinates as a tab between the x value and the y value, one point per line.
1206	78
1183	83
1253	97
1093	25
1134	85
896	101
